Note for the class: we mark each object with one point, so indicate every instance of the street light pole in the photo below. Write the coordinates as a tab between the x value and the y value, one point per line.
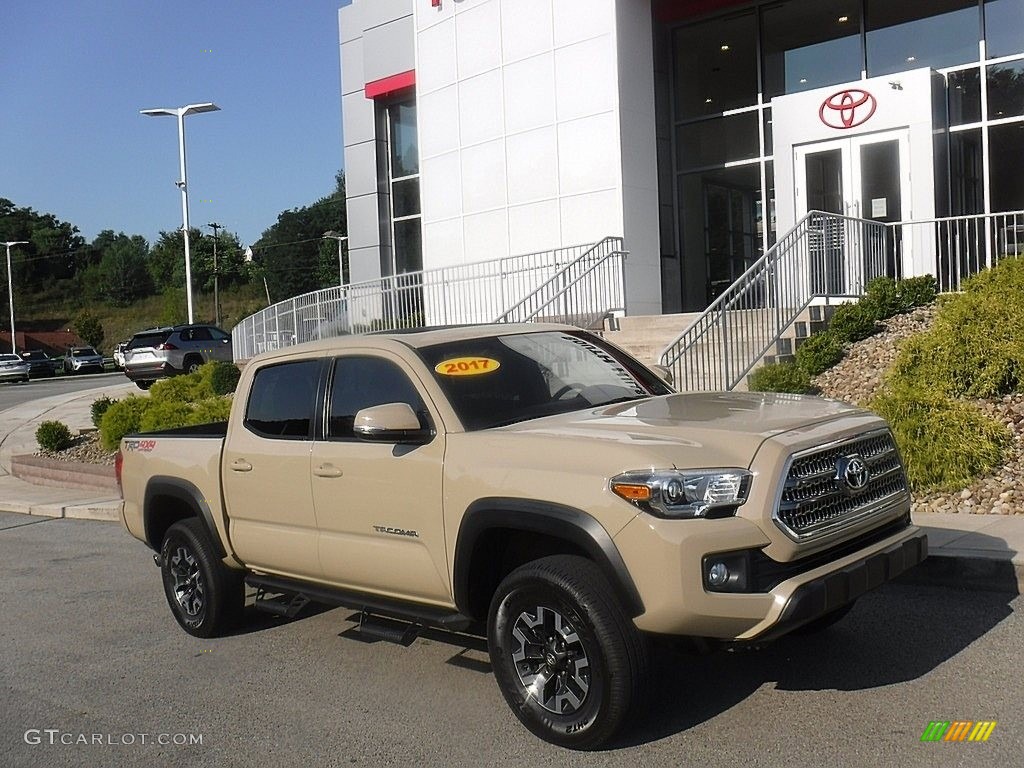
340	238
10	289
216	286
181	113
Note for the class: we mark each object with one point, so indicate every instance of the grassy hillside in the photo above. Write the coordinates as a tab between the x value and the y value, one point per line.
57	308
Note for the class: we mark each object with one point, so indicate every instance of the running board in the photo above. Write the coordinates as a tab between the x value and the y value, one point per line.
411	613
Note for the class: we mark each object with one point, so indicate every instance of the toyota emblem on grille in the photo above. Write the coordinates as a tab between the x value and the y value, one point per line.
853	472
847	109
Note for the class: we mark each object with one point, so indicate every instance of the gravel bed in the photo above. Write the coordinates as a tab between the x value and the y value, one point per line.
85	448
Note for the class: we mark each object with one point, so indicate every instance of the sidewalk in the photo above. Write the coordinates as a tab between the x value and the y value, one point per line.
972	551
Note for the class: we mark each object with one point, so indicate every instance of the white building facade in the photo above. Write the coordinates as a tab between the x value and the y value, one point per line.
699	131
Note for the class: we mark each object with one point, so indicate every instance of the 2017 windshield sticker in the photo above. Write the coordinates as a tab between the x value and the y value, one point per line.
467	366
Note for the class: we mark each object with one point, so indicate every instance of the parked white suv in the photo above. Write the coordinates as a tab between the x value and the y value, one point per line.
163	352
82	359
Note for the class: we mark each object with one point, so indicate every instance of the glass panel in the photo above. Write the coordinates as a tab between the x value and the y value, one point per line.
880	181
769	171
719	222
1004	27
716	66
408	255
405	197
363	382
921	33
810	45
825	181
282	400
769	138
405	157
717	141
1006	148
964	90
1006	90
965	172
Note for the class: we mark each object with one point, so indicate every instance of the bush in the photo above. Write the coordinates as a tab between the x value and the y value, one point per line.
945	443
122	418
210	410
223	377
819	353
187	388
781	377
53	436
853	322
165	414
917	291
882	298
98	408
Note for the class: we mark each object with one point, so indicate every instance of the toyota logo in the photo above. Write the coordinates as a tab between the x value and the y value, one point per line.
847	109
853	472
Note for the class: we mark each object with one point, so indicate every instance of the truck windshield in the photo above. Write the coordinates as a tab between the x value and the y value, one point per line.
493	381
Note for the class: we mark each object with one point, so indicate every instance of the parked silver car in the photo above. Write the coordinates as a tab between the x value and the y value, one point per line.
163	352
13	368
82	360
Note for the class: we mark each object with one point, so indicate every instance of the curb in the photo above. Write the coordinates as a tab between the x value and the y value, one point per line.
102	509
965	571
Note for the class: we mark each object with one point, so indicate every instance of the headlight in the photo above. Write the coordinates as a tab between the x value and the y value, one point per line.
678	493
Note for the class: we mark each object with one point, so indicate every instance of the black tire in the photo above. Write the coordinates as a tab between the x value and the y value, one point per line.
822	623
143	384
555	613
192	364
205	596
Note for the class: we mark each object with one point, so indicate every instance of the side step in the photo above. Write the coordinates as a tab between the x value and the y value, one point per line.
292	590
379	628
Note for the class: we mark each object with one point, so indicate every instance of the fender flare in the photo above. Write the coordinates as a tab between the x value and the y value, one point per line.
186	492
573	525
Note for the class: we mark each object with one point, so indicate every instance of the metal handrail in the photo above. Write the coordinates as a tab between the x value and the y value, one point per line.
469	293
719	348
598	299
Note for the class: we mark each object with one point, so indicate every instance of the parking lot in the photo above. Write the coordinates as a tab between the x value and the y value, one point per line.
91	653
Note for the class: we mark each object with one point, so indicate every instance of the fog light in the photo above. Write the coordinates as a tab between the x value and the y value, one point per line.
718	574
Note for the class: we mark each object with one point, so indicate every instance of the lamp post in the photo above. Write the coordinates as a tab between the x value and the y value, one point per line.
216	287
340	238
182	184
10	288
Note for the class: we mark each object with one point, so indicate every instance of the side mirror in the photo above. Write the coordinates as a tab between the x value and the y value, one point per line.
390	423
663	373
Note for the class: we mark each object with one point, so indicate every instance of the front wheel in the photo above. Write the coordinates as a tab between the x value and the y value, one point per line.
205	596
143	384
568	660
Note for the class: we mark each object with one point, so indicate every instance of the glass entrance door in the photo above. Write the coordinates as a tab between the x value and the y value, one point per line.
862	177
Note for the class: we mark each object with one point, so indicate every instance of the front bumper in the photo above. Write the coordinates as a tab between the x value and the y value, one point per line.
667	558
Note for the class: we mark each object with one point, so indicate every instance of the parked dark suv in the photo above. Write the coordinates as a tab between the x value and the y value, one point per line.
39	363
163	352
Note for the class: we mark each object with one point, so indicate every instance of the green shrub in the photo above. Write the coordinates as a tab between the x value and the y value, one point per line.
210	410
122	418
882	298
853	322
187	388
819	353
98	408
165	414
53	436
917	291
223	377
781	377
945	443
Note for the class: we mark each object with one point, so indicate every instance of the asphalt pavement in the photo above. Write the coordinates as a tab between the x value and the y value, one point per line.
13	394
91	653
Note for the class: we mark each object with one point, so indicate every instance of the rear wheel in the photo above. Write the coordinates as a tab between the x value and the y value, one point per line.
205	596
143	384
192	364
568	660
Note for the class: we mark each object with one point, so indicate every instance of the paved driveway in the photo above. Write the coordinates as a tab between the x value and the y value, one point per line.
91	653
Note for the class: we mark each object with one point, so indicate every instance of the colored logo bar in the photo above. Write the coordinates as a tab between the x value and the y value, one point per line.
958	730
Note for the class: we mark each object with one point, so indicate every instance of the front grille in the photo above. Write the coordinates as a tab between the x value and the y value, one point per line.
816	500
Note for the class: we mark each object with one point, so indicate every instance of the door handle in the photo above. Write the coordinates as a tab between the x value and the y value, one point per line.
327	470
240	465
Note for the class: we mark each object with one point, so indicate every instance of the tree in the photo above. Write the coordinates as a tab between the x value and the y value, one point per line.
89	328
167	260
293	252
123	271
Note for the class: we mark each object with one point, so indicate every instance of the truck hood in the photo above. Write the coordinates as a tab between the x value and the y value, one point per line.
723	428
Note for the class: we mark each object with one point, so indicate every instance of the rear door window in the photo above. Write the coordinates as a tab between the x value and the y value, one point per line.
201	334
282	400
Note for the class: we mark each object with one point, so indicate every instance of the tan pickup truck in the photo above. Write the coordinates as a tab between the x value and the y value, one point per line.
530	483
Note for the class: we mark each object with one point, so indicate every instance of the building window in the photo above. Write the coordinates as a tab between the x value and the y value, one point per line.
910	35
1006	147
1004	27
716	66
404	186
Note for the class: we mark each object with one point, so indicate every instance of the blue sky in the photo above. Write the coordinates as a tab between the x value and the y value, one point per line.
74	75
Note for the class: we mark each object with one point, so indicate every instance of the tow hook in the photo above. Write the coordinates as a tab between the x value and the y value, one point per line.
157	561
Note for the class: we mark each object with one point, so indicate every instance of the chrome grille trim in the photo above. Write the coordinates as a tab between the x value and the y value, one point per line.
811	503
